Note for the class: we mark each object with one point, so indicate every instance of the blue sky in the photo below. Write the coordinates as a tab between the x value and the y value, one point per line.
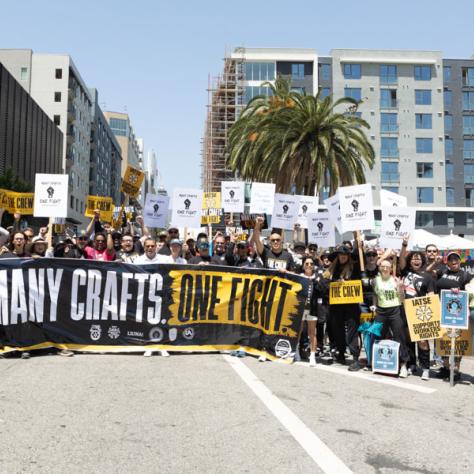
154	57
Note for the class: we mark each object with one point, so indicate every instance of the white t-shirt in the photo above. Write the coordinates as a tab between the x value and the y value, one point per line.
170	259
143	259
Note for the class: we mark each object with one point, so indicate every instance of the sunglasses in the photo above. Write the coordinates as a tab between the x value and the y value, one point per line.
275	240
83	238
309	264
100	241
431	251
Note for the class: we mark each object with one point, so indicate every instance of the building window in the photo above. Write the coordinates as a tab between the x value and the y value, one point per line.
422	96
297	71
119	126
259	71
325	72
449	171
298	90
449	195
57	120
424	145
71	201
450	218
470	219
59	73
448	123
468	173
352	71
468	76
392	189
424	219
388	98
424	170
423	73
446	73
388	74
388	122
324	92
57	97
468	124
468	149
251	92
448	98
390	172
424	121
448	146
424	195
468	100
469	198
353	92
24	74
389	147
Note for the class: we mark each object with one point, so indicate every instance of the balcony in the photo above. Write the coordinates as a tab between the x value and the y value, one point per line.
390	177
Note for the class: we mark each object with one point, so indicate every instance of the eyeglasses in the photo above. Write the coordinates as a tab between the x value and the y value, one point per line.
309	264
275	240
173	232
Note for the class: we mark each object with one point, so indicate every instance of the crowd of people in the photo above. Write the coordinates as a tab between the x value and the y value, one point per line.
328	332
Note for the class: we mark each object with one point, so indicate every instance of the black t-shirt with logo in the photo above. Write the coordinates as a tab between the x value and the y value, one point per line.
417	284
276	261
449	280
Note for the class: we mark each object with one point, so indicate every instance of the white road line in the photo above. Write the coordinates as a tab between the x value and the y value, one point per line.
315	448
370	377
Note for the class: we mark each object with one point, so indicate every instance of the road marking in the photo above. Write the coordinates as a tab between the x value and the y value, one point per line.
371	378
316	449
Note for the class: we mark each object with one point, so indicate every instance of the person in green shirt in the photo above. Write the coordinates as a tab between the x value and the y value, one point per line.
387	303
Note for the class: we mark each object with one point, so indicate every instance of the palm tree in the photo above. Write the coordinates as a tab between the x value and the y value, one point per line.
300	142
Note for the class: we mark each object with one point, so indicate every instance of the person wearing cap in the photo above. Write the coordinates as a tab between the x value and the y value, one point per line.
176	248
345	318
275	257
312	250
299	252
82	239
203	258
221	256
173	233
453	279
117	240
368	276
416	282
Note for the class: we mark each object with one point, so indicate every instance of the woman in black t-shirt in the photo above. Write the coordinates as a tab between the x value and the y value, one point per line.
453	278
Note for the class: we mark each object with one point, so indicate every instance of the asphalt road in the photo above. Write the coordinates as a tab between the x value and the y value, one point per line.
195	413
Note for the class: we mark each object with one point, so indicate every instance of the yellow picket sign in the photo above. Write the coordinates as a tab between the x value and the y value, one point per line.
346	292
104	204
14	202
423	317
132	181
462	345
211	200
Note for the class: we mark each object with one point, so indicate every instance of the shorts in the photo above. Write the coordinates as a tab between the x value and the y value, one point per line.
308	317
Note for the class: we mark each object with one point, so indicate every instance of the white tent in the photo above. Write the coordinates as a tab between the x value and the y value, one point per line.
454	242
421	238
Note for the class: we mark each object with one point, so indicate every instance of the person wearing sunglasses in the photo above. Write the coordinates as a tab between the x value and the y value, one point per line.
388	294
275	257
172	234
103	246
151	253
203	258
434	261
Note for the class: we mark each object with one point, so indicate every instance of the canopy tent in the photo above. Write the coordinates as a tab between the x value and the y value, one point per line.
421	238
454	242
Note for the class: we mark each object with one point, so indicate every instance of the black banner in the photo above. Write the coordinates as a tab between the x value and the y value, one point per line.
115	307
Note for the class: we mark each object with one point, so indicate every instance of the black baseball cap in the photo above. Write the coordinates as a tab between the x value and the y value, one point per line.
344	250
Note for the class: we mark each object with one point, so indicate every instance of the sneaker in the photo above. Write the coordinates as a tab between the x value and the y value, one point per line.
403	372
457	376
443	373
412	370
312	359
341	359
262	358
164	353
25	355
367	368
425	375
297	356
66	353
148	354
354	367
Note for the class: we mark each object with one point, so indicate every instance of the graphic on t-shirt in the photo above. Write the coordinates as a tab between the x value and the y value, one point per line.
276	264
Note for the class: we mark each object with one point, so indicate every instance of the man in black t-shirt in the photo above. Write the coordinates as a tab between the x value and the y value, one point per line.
275	257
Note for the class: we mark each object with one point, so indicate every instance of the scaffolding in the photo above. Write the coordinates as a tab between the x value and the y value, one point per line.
225	101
